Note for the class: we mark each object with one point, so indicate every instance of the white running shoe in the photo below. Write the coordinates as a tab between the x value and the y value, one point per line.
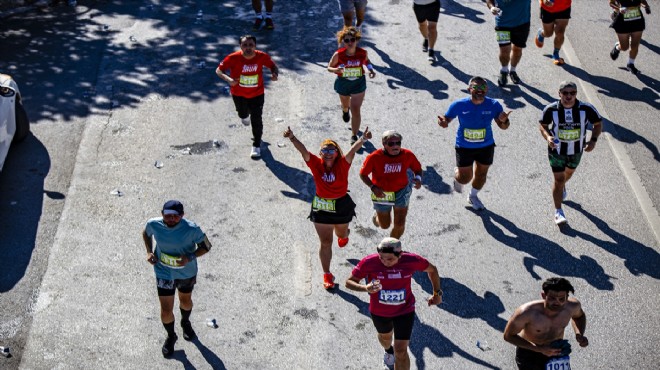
564	194
255	153
458	187
475	202
246	121
560	219
388	359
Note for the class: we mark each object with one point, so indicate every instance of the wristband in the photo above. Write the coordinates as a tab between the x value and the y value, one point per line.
437	293
372	186
370	67
594	139
418	177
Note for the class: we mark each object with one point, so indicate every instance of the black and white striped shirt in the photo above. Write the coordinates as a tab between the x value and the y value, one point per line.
569	125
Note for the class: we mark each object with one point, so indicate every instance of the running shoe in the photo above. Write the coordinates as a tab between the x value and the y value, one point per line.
346	116
257	24
615	51
475	202
538	40
374	219
269	24
558	61
502	80
343	241
564	194
245	121
560	219
388	359
514	77
188	332
632	68
353	139
425	45
458	187
168	346
255	153
328	281
431	57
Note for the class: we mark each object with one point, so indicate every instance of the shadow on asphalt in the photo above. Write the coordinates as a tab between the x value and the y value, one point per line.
454	9
300	181
638	258
432	181
22	184
544	253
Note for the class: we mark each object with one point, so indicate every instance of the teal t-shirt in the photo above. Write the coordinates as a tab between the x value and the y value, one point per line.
172	243
514	13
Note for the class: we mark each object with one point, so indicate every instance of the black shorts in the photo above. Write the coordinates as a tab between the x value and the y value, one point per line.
168	287
402	325
530	360
620	25
344	211
513	35
465	157
549	17
428	12
559	162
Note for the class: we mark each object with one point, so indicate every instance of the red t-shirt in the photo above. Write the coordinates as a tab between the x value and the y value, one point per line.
333	184
353	63
387	172
560	5
396	297
248	72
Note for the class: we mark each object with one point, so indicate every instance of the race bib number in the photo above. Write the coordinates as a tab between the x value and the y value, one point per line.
632	14
559	363
569	135
388	199
170	261
352	72
503	37
392	297
249	80
474	136
322	204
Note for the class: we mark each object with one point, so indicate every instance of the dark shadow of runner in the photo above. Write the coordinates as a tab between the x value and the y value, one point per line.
455	9
432	181
210	357
300	181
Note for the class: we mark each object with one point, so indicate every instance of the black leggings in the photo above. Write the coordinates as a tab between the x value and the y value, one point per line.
254	108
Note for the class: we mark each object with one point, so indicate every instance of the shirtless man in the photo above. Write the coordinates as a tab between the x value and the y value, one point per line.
537	328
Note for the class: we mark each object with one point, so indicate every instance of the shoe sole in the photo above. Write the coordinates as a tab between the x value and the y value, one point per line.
559	223
558	62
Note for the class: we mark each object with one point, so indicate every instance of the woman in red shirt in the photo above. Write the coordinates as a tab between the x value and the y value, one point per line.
348	63
332	207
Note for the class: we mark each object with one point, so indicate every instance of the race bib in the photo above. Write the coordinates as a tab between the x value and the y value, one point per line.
352	72
503	37
474	136
388	199
392	297
559	363
322	204
569	135
170	261
249	80
632	14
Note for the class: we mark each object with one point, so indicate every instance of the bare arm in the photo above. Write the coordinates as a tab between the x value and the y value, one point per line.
503	120
546	135
579	323
274	72
225	77
353	283
595	133
297	144
332	64
366	135
491	6
434	277
148	243
444	121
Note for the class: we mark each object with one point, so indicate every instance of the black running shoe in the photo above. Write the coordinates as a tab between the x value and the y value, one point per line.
188	332
514	77
615	52
346	116
632	69
502	80
425	45
168	346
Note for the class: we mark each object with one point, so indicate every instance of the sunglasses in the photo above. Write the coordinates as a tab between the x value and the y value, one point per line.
569	93
394	143
352	39
328	151
479	87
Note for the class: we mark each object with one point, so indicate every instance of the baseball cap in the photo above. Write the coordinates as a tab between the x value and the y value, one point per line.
389	245
565	84
173	207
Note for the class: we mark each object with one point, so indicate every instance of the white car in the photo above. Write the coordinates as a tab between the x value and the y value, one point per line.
14	123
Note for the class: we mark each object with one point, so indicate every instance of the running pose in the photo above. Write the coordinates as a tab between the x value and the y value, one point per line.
348	63
353	8
256	6
427	13
179	243
629	25
332	207
391	301
389	183
537	328
554	16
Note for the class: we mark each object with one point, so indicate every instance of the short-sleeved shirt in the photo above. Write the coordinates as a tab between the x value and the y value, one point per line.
514	13
172	243
396	297
352	63
474	121
569	125
390	172
248	72
332	184
560	5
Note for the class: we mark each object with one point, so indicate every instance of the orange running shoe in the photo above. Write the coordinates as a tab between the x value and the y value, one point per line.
328	281
343	241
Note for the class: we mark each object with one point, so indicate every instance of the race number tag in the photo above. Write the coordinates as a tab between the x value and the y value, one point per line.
503	37
632	14
170	261
388	199
249	80
474	136
352	72
559	363
569	135
392	297
322	204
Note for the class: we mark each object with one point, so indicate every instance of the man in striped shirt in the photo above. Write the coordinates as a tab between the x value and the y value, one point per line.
564	125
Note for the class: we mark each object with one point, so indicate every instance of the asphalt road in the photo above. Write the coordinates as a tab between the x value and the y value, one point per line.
112	88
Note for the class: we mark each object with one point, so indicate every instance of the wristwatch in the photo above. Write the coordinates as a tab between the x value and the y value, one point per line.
437	293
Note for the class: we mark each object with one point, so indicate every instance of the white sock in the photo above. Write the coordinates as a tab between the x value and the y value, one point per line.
505	69
513	69
631	61
557	210
474	192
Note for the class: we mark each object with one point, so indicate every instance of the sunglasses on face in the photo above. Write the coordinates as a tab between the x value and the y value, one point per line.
347	40
328	151
479	87
569	93
394	143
